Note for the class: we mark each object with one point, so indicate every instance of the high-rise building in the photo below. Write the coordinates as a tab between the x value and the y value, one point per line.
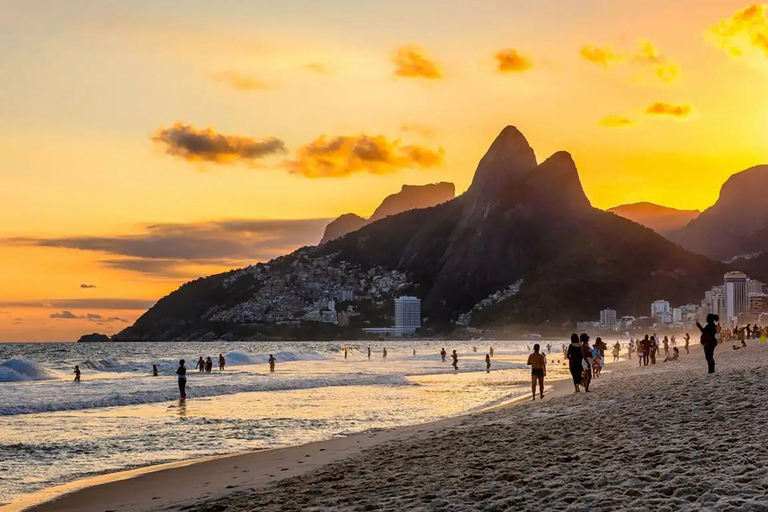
659	308
677	315
758	303
736	301
407	315
754	287
608	318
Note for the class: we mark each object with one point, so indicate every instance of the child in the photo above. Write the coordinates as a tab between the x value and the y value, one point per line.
77	373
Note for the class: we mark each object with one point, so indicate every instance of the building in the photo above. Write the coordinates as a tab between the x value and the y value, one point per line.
608	319
754	287
660	310
407	315
677	315
735	296
758	303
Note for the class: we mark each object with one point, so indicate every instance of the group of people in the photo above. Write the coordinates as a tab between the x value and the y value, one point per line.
649	347
204	366
207	365
585	362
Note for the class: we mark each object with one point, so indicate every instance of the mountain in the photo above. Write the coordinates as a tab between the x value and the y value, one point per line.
735	228
410	197
523	244
661	219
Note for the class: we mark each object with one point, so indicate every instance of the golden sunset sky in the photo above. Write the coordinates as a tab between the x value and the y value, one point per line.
146	143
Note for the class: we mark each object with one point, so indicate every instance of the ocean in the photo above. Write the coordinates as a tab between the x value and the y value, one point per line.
54	431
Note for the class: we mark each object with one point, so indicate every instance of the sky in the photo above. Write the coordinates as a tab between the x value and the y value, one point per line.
148	143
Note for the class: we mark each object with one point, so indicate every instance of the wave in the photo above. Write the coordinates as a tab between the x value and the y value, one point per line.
19	370
239	357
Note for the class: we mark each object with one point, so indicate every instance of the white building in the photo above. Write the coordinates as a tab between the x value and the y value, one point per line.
754	287
659	308
608	318
407	315
736	301
677	315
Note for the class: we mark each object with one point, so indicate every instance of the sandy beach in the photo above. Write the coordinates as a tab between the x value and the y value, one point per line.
667	437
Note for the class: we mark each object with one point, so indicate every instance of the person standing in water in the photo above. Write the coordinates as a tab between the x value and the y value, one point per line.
272	362
77	373
208	364
414	352
154	370
538	364
575	358
181	371
687	343
490	351
222	362
384	353
455	358
443	353
345	353
488	363
549	348
200	366
369	352
709	340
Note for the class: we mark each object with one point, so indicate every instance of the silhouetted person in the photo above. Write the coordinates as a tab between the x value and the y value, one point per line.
181	371
369	352
208	364
77	373
666	346
384	353
616	351
687	342
443	353
587	361
709	340
414	352
575	358
222	362
490	351
200	366
549	348
474	349
455	358
538	365
272	362
345	353
488	363
154	370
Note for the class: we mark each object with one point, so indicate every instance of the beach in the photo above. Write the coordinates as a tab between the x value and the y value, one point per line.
668	437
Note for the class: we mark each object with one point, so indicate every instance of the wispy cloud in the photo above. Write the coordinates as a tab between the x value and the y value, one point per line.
318	67
744	33
423	130
168	250
667	109
206	145
646	55
512	61
87	286
240	81
91	317
343	156
614	121
602	56
69	304
413	62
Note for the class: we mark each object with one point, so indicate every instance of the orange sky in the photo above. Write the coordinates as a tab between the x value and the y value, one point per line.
144	144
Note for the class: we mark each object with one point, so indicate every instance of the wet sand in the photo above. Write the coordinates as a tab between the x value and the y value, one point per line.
668	437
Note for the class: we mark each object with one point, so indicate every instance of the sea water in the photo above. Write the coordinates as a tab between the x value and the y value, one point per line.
53	430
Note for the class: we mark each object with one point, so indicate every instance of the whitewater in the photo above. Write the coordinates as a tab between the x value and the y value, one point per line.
53	430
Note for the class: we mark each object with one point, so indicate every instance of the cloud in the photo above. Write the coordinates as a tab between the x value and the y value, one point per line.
412	62
511	61
744	33
667	109
240	81
664	69
102	303
346	155
603	56
318	67
91	317
206	145
86	286
168	250
423	130
616	122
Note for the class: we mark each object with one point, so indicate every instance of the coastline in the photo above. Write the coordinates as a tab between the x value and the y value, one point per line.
185	483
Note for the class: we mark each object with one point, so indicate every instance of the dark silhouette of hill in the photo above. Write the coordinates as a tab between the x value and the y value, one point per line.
661	219
410	197
523	232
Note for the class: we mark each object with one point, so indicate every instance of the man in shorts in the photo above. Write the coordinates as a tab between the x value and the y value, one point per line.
538	364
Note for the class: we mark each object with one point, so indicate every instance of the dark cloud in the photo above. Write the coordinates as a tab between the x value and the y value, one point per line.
412	62
86	286
512	61
166	249
343	156
105	303
206	145
90	317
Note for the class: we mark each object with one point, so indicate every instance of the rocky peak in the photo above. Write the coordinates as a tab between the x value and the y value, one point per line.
414	196
556	185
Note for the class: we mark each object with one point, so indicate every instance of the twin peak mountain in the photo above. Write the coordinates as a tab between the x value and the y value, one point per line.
522	244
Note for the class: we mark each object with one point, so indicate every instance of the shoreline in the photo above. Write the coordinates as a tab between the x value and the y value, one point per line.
146	488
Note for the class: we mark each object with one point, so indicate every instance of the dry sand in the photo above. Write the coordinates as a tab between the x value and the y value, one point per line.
668	437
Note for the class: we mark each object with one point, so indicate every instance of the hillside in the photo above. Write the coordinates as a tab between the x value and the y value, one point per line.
523	244
661	219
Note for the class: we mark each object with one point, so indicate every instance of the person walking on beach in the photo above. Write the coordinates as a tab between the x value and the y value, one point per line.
538	364
487	363
630	348
443	353
154	370
77	373
455	358
222	362
588	361
200	366
616	351
575	358
181	371
666	346
271	362
709	340
687	342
